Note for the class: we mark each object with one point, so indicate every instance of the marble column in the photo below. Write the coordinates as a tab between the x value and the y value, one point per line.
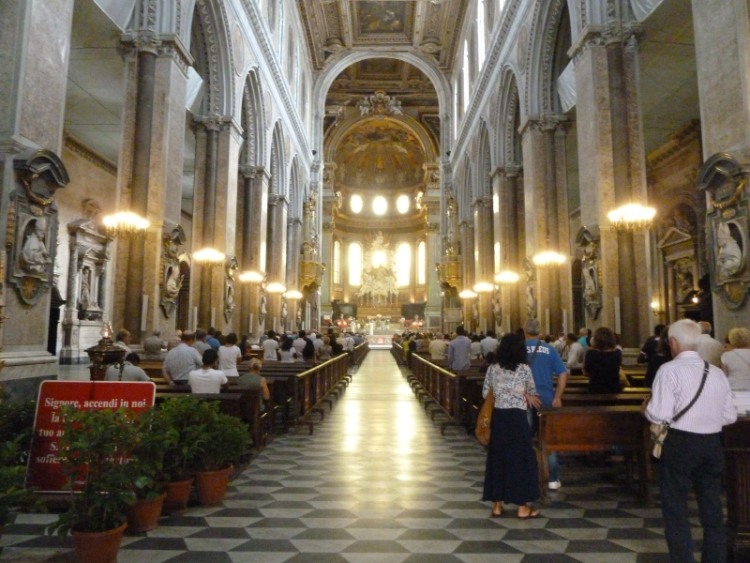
255	181
722	36
484	258
293	247
32	90
277	248
466	228
214	217
150	172
612	173
545	212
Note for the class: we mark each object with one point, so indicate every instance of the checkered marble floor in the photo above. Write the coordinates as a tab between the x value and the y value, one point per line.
377	482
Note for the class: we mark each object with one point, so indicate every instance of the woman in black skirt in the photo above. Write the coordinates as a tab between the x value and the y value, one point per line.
511	473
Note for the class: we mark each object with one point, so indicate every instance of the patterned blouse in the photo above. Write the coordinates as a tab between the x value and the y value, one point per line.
510	387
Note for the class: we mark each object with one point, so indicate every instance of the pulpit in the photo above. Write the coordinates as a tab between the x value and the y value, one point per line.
737	452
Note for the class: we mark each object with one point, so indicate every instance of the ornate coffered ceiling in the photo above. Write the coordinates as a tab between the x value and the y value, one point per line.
428	26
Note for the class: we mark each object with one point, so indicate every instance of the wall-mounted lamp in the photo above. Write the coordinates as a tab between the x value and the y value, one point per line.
125	224
656	308
276	287
507	277
447	153
467	294
252	276
209	257
483	287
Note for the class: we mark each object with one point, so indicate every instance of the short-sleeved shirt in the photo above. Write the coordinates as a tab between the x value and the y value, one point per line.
129	373
509	386
206	380
181	360
545	365
270	346
228	356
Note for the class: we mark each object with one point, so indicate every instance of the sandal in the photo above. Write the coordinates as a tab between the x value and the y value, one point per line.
494	514
533	513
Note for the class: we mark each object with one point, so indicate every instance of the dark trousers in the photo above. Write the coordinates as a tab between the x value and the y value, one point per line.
695	460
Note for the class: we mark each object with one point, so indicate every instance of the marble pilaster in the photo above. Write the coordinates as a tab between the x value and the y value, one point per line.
612	173
484	264
149	174
467	265
277	249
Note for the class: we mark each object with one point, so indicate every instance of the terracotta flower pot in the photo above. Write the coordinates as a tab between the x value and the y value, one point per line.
99	547
144	514
177	495
212	485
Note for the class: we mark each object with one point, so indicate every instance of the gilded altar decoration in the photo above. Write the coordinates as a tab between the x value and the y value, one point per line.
379	284
172	239
32	223
727	227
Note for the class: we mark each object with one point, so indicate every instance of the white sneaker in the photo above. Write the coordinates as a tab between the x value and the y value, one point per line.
554	485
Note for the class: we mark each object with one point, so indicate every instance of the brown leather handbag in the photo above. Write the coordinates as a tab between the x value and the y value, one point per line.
482	430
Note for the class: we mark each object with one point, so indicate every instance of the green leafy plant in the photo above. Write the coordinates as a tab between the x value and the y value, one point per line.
146	466
183	420
227	439
95	452
16	422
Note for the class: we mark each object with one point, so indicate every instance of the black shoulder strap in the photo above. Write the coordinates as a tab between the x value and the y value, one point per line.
700	389
122	367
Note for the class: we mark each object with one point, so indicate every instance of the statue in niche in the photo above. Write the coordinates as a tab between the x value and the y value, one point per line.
85	298
230	269
497	312
262	308
592	294
684	287
729	252
173	237
530	296
34	255
284	309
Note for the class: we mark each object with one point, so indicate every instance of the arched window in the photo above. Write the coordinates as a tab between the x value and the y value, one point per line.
403	259
336	262
466	76
355	264
481	33
422	264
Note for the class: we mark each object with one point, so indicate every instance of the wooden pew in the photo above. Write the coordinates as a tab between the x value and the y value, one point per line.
596	428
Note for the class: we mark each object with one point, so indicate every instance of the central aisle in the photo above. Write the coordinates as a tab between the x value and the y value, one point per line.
375	482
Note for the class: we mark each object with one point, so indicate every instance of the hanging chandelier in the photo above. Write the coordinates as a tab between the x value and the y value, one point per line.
632	217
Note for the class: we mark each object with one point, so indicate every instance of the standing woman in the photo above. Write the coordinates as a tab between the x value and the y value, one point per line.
511	473
602	363
229	356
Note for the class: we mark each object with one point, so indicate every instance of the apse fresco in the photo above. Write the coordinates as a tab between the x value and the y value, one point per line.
381	17
379	156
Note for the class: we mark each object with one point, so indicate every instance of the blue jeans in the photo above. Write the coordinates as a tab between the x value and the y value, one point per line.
552	462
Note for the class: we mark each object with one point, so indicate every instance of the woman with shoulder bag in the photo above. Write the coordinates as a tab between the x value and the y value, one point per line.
511	473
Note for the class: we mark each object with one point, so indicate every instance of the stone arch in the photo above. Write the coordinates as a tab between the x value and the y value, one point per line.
464	192
253	122
278	185
337	63
540	96
508	145
211	47
483	184
296	189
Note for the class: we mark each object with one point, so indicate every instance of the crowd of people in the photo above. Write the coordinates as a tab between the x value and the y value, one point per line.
687	370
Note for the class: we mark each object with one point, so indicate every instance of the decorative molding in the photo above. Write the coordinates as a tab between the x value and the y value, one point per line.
75	146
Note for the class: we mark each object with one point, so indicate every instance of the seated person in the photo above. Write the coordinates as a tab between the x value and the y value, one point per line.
253	380
208	379
128	370
576	353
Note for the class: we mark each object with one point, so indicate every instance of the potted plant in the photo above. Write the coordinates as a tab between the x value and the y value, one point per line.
226	439
146	469
16	422
95	451
181	420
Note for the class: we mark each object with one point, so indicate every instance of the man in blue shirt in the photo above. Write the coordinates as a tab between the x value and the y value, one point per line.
545	364
458	351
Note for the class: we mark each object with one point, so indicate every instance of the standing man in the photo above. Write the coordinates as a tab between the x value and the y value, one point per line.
489	343
709	348
692	454
459	350
545	365
181	360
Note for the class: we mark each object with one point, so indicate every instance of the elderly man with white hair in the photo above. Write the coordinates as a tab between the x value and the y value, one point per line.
692	456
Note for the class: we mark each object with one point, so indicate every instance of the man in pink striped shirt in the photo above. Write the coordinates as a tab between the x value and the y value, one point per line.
692	455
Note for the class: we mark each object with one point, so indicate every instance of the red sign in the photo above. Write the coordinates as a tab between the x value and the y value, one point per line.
44	472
